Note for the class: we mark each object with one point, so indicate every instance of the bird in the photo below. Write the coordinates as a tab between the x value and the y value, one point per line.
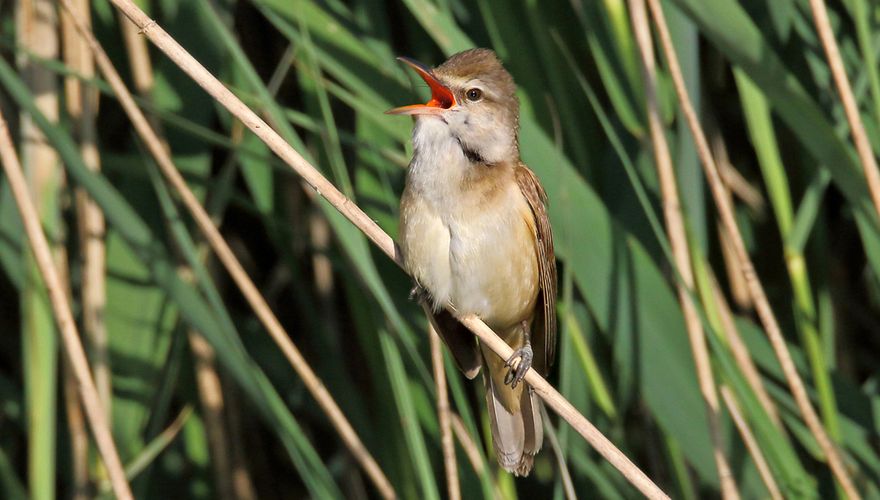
475	235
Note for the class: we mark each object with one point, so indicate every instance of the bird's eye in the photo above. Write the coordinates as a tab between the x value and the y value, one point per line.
474	94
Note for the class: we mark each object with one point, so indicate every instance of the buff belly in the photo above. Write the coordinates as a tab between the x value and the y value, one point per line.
478	260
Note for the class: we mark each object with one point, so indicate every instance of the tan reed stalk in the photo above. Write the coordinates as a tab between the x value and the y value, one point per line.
212	402
234	267
90	228
737	283
742	356
223	438
844	89
756	289
552	438
739	290
678	240
79	436
372	230
138	57
207	379
82	106
740	352
63	315
560	405
471	450
738	185
751	443
453	491
229	475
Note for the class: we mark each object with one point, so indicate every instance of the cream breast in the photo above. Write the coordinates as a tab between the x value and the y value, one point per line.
462	232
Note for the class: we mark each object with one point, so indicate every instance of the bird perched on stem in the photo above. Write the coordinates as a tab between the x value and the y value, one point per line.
476	237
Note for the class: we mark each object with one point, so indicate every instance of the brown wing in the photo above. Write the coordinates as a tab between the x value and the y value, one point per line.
544	327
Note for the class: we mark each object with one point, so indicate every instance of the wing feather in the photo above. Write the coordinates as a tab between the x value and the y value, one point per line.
546	325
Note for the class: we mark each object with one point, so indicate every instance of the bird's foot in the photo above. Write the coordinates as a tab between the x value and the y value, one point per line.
516	373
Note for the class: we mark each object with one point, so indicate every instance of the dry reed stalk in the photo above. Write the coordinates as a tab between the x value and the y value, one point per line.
63	315
675	228
737	347
734	180
138	57
79	437
742	356
231	476
252	121
569	413
737	283
739	289
234	267
453	491
72	51
320	235
756	289
857	128
751	443
372	230
550	433
207	379
211	399
242	484
471	450
82	106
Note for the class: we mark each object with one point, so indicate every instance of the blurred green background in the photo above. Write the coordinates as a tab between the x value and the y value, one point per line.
322	73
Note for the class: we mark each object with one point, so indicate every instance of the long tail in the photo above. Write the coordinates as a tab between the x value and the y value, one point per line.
516	436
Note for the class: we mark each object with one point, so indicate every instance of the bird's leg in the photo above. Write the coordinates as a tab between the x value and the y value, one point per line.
525	355
419	294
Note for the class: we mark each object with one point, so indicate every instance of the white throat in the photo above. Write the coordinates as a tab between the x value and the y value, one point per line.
438	165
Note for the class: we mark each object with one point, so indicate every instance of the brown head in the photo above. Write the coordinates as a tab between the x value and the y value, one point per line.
474	97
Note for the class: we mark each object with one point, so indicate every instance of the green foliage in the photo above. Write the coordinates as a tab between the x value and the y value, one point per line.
322	73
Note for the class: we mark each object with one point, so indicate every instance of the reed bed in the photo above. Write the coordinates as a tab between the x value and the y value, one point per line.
228	255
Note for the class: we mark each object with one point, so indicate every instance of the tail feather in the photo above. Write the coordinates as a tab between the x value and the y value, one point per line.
532	422
516	436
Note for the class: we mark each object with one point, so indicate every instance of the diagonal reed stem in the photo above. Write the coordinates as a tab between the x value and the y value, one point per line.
233	266
63	316
751	443
741	353
231	477
753	282
375	233
568	412
857	128
678	241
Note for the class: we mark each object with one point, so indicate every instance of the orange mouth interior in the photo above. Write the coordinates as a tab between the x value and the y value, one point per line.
441	97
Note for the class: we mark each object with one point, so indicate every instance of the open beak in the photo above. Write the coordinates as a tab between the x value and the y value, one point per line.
441	97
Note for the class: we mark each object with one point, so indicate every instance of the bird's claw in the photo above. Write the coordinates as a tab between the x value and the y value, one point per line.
516	373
